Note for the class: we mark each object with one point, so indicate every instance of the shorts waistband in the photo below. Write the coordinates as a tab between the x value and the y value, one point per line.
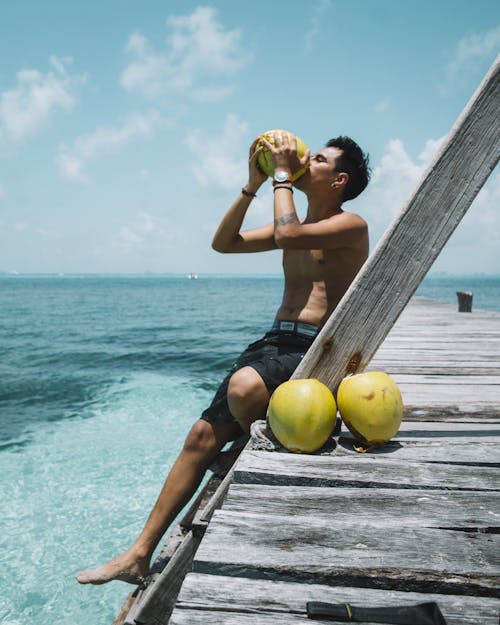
295	327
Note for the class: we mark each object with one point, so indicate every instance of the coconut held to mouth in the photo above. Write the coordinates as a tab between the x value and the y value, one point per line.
265	159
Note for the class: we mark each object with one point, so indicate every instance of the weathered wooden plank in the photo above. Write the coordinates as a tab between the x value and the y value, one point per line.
158	599
405	253
448	430
125	609
448	400
446	413
288	549
480	347
471	370
259	467
433	379
432	339
430	450
202	617
217	600
458	356
418	324
461	394
476	451
379	507
446	437
204	514
433	308
437	356
442	437
476	348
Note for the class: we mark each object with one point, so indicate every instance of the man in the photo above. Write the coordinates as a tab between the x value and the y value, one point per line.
321	256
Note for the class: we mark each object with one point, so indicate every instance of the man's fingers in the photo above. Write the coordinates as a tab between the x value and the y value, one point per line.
254	144
268	145
255	152
290	140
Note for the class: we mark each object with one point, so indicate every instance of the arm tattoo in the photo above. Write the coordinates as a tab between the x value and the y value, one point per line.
289	218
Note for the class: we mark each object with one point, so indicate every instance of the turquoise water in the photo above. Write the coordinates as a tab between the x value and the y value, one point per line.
100	379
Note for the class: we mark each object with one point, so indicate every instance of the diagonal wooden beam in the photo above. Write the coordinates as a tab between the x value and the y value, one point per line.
412	243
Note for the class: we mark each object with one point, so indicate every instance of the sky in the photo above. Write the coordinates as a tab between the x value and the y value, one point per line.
125	126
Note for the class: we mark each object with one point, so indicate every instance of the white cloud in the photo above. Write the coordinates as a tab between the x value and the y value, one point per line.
486	216
469	54
48	234
393	179
198	52
383	105
128	237
396	177
220	161
430	150
318	11
29	105
147	231
72	160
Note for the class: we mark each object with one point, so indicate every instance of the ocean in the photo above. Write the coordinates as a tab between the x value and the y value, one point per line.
100	380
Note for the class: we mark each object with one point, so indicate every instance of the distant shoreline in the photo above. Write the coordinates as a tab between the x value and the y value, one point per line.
13	274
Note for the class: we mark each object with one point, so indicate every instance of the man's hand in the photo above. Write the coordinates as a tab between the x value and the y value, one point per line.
284	153
256	177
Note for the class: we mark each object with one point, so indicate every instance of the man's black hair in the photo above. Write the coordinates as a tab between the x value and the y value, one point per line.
352	161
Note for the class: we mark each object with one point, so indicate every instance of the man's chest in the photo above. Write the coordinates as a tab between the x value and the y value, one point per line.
308	264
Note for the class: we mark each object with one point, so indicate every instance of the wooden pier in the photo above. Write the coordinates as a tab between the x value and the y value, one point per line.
415	521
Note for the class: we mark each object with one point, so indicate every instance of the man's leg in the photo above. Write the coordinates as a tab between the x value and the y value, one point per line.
247	397
202	444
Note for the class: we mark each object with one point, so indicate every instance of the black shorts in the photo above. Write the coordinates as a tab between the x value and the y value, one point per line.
275	357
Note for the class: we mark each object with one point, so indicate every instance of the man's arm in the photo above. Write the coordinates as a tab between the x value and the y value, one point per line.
341	230
229	238
337	231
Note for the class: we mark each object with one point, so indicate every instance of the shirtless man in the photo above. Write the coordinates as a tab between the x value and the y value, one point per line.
321	256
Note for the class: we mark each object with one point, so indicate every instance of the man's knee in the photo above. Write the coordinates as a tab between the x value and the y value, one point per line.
246	386
206	439
200	438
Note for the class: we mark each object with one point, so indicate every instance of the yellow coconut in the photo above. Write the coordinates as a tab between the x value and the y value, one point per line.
302	414
266	160
371	406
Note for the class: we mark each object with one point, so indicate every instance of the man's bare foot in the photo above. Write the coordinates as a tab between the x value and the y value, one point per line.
124	568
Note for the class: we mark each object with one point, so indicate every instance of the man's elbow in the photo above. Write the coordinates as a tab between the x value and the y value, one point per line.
218	247
285	239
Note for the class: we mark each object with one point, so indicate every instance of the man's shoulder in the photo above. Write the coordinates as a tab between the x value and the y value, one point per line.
350	219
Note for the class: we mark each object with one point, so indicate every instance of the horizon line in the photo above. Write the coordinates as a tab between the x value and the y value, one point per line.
14	274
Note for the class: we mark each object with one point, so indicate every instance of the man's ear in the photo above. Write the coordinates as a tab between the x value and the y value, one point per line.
342	179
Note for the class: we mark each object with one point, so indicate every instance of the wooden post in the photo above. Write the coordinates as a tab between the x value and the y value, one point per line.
464	301
406	252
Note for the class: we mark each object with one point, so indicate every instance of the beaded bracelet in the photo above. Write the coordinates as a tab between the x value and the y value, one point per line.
247	193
